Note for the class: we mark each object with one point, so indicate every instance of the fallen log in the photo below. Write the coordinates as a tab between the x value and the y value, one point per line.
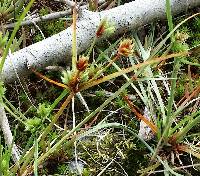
57	48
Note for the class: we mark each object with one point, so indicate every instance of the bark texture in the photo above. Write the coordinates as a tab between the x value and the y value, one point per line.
58	47
7	133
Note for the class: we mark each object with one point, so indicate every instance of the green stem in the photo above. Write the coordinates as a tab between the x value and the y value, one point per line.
169	18
74	43
14	115
14	110
5	53
172	91
35	165
92	46
181	134
58	114
176	66
57	100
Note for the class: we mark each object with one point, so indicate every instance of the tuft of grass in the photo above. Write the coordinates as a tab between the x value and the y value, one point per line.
143	87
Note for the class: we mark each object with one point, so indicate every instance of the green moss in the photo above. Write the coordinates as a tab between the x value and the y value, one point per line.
62	169
196	24
184	83
55	27
33	124
135	160
100	93
180	89
196	42
38	37
119	102
48	28
43	11
180	47
43	110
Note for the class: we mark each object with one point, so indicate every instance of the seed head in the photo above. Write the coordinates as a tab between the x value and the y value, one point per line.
181	36
105	28
66	76
125	48
82	63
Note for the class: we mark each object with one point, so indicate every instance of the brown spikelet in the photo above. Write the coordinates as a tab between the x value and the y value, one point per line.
125	48
101	29
82	63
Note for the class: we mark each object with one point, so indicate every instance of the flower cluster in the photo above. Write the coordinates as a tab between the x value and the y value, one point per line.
125	48
82	63
105	28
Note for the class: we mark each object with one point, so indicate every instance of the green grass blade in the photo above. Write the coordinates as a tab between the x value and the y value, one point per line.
36	158
5	53
169	18
181	134
161	44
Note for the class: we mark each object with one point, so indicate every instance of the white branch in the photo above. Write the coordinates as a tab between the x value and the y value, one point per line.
7	133
58	47
68	2
50	16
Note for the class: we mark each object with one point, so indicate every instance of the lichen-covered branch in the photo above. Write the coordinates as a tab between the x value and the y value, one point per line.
58	47
7	133
50	16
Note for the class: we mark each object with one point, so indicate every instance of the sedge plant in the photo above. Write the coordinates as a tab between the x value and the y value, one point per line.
85	74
